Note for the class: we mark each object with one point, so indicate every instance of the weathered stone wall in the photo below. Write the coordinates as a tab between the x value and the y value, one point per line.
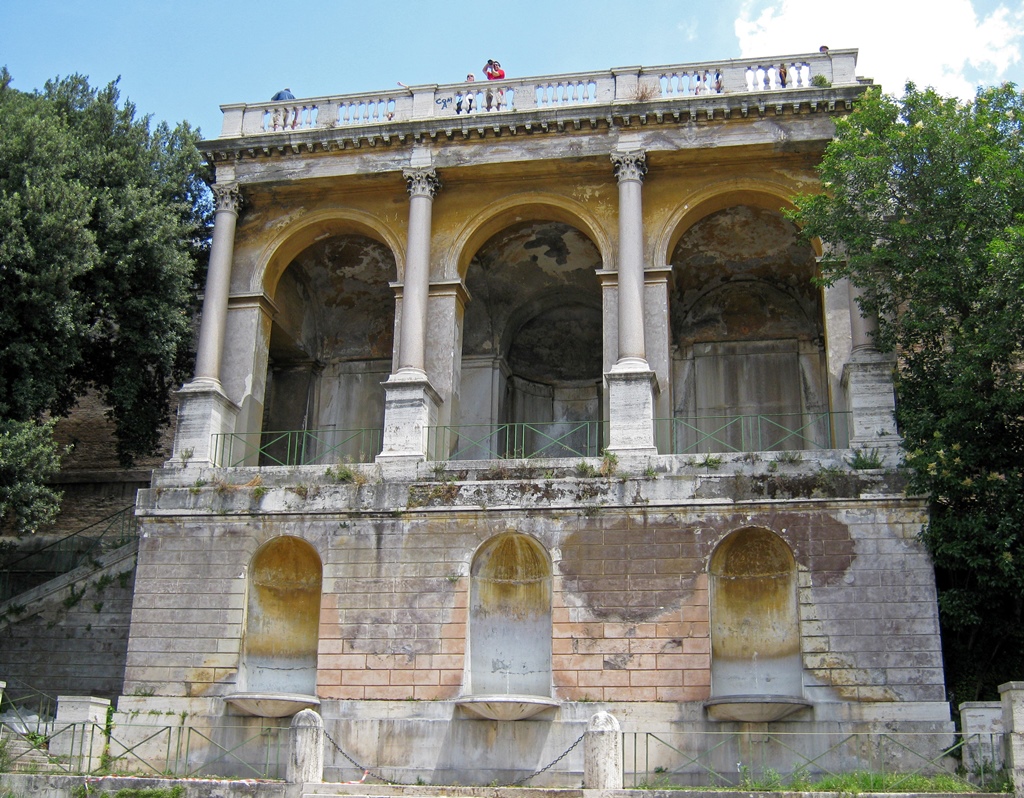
630	600
70	636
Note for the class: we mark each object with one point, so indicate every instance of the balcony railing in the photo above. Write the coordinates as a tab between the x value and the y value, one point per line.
550	439
752	433
622	85
515	441
325	446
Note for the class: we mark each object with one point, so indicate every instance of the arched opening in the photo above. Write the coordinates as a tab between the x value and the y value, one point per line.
748	339
510	618
532	346
330	349
282	619
755	622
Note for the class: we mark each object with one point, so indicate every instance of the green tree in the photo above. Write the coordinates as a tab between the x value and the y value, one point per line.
28	458
103	232
923	207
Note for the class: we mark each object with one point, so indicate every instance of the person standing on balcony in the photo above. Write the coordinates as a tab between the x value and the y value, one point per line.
465	100
493	71
284	94
782	76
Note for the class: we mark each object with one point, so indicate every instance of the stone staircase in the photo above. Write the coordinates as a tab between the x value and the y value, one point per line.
23	756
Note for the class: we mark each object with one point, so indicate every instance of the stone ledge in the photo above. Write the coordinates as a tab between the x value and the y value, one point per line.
102	476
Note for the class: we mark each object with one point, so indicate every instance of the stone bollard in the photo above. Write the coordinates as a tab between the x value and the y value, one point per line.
602	754
1012	696
981	726
306	762
79	730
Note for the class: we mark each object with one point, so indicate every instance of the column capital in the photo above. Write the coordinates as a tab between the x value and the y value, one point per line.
228	197
630	165
422	182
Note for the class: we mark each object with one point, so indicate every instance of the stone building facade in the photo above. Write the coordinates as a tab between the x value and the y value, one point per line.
518	401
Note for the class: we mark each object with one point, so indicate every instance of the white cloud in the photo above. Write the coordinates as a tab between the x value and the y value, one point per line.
898	40
688	28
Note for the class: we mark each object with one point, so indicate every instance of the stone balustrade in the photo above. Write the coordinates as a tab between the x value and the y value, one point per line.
619	85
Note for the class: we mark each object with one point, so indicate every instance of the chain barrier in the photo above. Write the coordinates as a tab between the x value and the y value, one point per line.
555	761
363	768
516	783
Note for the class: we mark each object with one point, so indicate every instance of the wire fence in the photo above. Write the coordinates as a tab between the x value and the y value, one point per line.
769	760
516	441
180	751
326	446
748	759
24	709
752	433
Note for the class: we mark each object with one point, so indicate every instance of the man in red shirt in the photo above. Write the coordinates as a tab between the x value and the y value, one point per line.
494	71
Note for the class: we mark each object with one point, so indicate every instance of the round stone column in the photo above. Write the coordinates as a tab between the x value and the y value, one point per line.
630	168
422	186
862	328
210	349
631	383
410	403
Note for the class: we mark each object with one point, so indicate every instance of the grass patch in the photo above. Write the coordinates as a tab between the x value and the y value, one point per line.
864	459
853	783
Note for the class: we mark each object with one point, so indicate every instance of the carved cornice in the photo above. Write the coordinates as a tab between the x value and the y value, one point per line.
630	165
228	197
422	182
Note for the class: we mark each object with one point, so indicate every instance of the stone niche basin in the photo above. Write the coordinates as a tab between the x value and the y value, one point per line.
754	708
272	705
506	707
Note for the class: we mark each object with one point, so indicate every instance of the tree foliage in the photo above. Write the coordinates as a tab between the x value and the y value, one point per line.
28	458
103	227
923	207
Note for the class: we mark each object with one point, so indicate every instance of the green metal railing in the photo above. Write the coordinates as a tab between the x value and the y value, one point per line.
240	751
774	760
555	439
28	709
69	552
516	441
295	447
752	433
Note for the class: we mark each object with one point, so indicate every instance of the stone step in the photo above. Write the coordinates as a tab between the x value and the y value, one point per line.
26	758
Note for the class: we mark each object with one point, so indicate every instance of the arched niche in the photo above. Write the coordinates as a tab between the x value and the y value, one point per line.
748	338
510	618
755	622
532	345
282	618
331	347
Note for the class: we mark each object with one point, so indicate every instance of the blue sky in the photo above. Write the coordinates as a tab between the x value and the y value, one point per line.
181	59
